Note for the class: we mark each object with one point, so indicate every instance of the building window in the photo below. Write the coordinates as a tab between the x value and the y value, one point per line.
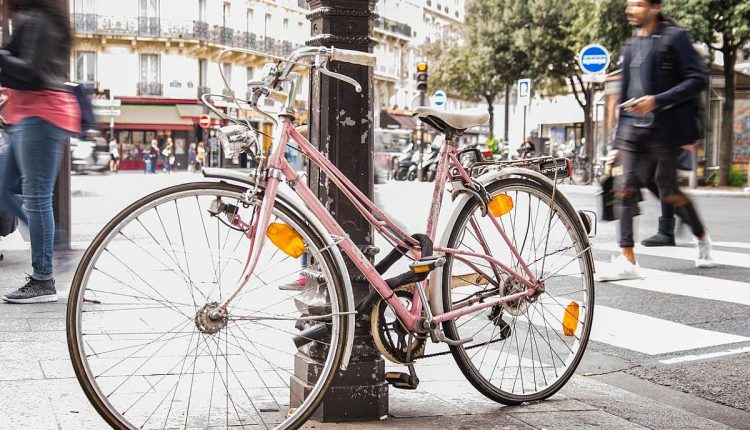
149	8
286	24
202	73
150	70
266	24
202	11
250	73
226	16
83	6
250	17
86	66
227	68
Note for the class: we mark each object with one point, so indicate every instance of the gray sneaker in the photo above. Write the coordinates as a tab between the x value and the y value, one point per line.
33	292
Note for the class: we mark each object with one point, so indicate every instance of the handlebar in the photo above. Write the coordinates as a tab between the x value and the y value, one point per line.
353	57
320	58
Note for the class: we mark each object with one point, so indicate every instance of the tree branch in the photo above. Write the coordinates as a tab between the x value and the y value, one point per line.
575	91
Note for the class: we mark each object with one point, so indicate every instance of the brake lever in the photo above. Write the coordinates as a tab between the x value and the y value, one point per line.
351	81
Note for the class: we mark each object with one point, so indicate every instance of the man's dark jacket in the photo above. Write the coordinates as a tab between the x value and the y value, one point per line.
678	78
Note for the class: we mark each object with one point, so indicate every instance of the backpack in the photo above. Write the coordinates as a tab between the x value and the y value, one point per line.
8	221
669	57
88	118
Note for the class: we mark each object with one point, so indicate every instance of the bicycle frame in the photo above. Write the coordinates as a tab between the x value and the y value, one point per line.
279	168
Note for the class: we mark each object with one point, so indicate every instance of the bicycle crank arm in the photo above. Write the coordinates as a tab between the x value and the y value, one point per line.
439	336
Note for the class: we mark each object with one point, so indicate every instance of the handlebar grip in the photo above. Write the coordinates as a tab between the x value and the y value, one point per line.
277	96
353	57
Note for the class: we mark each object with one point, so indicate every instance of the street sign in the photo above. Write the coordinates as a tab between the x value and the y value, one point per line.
524	92
594	59
439	99
107	112
205	121
106	103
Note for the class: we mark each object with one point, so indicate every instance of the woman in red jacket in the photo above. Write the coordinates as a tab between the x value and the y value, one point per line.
43	113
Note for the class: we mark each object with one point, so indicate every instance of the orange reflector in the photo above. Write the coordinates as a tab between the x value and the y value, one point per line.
501	205
421	269
286	239
570	319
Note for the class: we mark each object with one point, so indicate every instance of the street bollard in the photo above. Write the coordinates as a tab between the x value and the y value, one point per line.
341	124
61	197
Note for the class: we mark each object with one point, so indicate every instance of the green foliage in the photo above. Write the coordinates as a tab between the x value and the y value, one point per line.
505	40
737	178
493	145
717	23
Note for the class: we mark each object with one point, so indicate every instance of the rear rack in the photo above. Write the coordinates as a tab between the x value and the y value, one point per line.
551	167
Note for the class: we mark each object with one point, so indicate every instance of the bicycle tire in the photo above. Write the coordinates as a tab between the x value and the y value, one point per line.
296	417
463	360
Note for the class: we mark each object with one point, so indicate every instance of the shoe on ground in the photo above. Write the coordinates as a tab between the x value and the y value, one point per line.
704	259
620	269
665	234
33	292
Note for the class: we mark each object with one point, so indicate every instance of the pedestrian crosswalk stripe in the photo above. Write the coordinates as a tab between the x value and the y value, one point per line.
701	287
696	357
721	257
739	245
652	336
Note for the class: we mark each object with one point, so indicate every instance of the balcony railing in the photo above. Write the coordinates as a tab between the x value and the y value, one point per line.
203	90
393	26
150	89
160	28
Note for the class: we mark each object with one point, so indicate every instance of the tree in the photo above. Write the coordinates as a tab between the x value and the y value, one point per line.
557	31
490	59
724	26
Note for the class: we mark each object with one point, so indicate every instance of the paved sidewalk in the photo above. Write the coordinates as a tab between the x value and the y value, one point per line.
38	389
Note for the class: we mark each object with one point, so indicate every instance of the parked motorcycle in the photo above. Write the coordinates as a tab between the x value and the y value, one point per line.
90	153
430	160
402	163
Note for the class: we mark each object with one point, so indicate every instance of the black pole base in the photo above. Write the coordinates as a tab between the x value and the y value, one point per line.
360	393
349	398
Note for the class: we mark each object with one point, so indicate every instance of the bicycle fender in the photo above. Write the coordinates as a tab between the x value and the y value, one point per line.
295	204
436	276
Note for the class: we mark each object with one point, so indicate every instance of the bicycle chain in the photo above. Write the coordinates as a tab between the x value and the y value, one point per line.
438	354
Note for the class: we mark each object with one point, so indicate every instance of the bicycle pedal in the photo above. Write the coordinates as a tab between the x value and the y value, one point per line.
403	381
427	264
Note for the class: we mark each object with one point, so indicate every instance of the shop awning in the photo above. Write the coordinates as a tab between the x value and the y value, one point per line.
194	111
394	121
137	117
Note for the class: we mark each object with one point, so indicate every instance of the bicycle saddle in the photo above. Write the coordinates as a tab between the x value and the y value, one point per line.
457	120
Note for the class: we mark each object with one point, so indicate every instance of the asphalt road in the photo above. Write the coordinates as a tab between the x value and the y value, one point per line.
680	335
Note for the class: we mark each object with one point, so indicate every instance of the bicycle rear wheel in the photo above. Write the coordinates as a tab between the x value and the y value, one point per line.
526	350
143	344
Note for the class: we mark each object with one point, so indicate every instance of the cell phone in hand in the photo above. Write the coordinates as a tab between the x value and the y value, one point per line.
629	103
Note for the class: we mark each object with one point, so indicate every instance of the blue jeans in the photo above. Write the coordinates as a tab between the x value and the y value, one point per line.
34	154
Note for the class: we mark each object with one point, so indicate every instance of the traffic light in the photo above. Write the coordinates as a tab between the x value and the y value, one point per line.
422	76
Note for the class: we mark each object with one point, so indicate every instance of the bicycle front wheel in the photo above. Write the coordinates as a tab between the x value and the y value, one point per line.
147	344
524	350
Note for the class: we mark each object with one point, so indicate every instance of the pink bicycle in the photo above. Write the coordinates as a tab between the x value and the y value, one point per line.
191	307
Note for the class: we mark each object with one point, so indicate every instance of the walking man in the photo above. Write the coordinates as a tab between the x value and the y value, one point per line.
663	77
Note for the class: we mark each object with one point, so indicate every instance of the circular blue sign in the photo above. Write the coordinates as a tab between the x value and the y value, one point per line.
439	98
594	59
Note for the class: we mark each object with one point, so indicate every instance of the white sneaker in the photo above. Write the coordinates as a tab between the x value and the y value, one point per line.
620	269
704	259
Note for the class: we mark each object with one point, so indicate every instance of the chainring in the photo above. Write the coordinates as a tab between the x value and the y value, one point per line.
391	338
